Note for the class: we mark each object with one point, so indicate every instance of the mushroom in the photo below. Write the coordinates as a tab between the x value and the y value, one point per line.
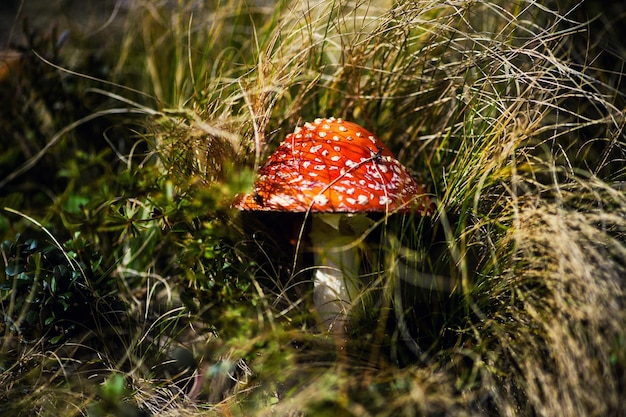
337	171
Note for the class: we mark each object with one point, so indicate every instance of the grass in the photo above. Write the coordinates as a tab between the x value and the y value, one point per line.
130	287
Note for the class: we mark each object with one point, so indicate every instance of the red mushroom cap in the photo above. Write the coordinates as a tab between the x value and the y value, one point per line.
332	165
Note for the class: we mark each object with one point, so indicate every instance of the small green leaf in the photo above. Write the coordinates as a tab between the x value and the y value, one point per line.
31	317
31	244
14	269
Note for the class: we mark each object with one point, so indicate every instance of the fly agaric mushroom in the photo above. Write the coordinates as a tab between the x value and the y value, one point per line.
335	170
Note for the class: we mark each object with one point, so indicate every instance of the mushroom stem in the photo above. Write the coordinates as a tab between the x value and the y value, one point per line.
337	261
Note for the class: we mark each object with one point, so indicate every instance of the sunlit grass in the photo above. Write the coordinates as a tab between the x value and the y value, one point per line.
508	301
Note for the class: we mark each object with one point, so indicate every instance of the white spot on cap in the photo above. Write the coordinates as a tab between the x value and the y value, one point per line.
372	139
335	158
363	200
322	134
337	148
306	164
280	200
343	129
350	163
350	191
335	138
319	167
325	152
359	134
350	200
320	199
384	200
315	148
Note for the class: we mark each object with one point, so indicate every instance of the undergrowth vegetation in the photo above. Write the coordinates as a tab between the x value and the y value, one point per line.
130	286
